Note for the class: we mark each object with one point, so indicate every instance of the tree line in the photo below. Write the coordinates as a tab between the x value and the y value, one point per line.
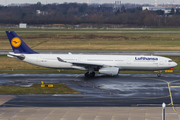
74	13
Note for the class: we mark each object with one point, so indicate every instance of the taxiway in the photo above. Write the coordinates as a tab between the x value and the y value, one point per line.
158	53
103	91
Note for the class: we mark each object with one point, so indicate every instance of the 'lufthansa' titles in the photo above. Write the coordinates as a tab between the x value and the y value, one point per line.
145	58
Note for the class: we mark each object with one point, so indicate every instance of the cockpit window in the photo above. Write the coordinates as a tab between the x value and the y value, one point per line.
170	60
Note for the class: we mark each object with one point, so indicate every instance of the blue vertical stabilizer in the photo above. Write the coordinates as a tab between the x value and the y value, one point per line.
18	45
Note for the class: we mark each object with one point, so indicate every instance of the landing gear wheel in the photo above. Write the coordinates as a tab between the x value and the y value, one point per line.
92	74
86	74
159	74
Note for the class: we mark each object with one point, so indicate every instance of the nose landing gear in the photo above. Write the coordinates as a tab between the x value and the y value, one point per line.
159	74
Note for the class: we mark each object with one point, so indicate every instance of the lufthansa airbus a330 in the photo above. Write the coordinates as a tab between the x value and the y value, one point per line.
105	64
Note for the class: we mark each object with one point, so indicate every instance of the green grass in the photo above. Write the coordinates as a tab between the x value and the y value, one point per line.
98	41
37	89
28	71
89	29
82	72
3	55
43	71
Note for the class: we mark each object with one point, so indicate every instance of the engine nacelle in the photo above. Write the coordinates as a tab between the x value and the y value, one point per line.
109	71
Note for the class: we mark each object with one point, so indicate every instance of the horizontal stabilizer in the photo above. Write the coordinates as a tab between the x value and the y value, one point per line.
17	56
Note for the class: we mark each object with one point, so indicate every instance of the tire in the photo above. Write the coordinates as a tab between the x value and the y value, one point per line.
159	75
92	74
86	74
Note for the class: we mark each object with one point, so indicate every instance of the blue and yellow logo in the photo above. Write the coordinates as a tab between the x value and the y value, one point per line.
16	42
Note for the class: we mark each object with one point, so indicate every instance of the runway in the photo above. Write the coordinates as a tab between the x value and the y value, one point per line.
93	31
102	91
158	53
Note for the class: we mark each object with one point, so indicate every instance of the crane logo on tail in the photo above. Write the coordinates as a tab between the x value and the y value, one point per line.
16	42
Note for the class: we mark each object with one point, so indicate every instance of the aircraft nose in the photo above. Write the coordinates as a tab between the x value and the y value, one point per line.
175	64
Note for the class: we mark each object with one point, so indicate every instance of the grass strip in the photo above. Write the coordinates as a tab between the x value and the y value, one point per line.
82	72
37	89
98	41
43	71
90	29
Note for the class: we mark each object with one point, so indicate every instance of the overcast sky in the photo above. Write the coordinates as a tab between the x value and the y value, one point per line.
4	2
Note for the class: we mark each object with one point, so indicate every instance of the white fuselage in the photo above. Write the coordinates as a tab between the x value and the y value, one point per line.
123	62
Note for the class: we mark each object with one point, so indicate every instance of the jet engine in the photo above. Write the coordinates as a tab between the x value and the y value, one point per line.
109	71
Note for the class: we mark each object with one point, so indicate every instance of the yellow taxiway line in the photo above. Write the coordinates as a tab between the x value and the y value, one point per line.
170	94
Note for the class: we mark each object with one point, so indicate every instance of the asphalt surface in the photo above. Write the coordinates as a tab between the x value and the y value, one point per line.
97	31
160	53
101	91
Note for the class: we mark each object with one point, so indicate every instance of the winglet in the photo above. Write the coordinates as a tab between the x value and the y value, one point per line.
17	44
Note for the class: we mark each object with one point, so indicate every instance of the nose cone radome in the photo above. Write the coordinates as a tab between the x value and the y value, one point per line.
175	64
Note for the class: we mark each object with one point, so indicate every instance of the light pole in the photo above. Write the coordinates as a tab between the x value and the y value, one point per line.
163	111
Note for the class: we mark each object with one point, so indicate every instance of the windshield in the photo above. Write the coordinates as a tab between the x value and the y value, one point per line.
170	60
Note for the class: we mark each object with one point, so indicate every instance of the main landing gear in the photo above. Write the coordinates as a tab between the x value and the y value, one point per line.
159	74
89	74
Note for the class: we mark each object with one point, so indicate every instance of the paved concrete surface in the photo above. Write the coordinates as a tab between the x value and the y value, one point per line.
5	98
97	31
86	113
103	97
123	90
160	53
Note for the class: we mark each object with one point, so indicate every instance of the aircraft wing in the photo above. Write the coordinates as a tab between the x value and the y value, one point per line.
86	64
82	64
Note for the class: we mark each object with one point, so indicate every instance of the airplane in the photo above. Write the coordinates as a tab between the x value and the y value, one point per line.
104	64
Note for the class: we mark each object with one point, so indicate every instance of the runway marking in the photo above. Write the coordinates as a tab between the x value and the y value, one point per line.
170	95
172	104
175	86
156	79
174	81
77	76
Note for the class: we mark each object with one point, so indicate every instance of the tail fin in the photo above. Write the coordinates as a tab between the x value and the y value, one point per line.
17	44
